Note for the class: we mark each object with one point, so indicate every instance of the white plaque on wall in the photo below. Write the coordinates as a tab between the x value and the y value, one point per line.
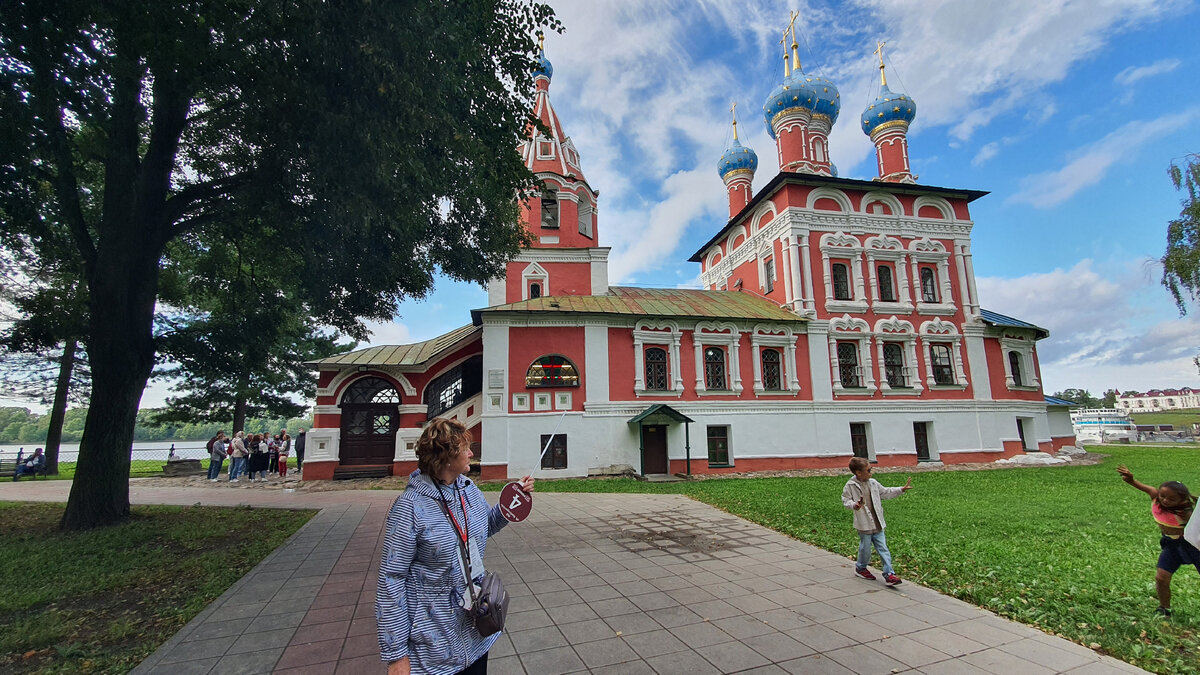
496	378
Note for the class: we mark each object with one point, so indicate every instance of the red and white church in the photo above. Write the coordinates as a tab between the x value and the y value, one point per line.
839	317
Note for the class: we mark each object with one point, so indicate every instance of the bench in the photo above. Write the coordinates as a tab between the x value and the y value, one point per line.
8	467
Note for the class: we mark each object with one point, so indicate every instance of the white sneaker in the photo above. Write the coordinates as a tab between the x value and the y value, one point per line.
234	480
212	480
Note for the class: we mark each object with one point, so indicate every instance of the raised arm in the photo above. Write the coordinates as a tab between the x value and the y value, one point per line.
1127	476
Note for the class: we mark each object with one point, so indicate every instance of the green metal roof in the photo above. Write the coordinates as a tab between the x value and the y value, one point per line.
660	302
399	355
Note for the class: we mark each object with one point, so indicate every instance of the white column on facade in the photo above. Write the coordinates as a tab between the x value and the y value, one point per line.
754	354
676	364
916	278
981	380
902	279
914	375
1033	378
806	273
928	363
828	273
790	357
735	362
871	276
960	263
944	274
974	306
639	364
883	381
958	362
596	370
864	348
856	265
785	265
834	376
818	361
494	446
699	362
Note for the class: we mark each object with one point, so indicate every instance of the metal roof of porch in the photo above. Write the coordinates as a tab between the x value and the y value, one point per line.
400	355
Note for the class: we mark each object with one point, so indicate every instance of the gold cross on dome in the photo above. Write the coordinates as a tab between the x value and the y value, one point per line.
879	52
733	113
541	41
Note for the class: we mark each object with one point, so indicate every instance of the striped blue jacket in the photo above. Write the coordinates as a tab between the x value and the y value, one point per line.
417	608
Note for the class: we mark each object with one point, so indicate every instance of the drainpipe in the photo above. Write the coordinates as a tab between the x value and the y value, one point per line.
687	446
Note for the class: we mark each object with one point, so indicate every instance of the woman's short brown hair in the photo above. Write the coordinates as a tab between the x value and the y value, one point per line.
440	443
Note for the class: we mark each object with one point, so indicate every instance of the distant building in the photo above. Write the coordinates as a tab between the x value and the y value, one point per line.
1158	400
839	317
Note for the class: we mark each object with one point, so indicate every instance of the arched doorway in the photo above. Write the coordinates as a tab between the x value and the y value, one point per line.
370	417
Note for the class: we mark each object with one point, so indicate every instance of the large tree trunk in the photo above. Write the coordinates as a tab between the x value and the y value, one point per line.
240	404
59	411
121	350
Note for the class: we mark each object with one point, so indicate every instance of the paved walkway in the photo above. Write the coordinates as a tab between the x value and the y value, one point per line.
602	584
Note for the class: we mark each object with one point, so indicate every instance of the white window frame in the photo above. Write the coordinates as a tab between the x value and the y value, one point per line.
851	329
897	330
665	335
929	251
713	334
534	273
1024	349
891	250
939	331
843	247
777	337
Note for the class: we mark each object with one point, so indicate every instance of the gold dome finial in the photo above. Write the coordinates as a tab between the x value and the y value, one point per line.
541	41
733	113
786	61
879	52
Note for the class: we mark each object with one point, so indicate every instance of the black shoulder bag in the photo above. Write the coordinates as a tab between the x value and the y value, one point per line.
489	606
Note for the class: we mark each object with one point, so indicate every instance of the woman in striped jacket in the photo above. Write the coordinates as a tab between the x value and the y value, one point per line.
419	613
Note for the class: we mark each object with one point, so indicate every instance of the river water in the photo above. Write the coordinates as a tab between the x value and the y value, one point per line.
148	450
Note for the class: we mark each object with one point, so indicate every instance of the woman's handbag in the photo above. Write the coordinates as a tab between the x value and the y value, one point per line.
491	605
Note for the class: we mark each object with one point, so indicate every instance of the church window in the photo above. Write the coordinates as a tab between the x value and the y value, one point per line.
1014	363
550	213
943	364
714	368
656	369
893	365
556	455
545	150
841	281
769	274
887	290
772	370
535	291
585	218
454	386
928	285
552	371
848	370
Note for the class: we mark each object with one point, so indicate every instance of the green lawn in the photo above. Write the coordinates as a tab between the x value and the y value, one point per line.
102	601
1070	550
142	468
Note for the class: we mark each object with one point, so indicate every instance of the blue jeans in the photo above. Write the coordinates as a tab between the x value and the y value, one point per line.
237	468
214	467
864	551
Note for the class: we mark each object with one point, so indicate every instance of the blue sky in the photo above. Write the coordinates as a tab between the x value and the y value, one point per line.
1067	112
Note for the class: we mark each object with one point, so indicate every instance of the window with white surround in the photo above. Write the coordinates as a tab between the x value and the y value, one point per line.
717	357
849	372
772	370
850	356
1014	366
774	354
534	276
841	281
888	281
896	343
887	290
930	263
663	338
893	366
1019	373
535	291
928	285
841	264
769	274
942	345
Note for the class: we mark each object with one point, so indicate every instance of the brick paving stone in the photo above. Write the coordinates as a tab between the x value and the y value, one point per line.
681	663
817	664
605	652
654	643
552	661
731	656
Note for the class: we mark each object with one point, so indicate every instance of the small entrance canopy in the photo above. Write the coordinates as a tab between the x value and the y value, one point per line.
662	414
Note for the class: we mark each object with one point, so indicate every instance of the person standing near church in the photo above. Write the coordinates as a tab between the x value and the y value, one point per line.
300	440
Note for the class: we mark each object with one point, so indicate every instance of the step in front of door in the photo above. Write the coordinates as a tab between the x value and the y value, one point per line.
364	471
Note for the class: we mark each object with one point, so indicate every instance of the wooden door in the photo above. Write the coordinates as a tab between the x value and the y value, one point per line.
369	433
921	435
654	444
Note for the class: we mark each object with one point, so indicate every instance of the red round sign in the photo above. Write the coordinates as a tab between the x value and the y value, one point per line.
515	503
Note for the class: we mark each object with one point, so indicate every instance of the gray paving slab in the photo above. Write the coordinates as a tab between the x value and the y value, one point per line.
599	583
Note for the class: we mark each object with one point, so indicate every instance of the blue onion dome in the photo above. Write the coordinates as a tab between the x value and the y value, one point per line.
794	92
829	101
833	170
737	158
544	67
888	108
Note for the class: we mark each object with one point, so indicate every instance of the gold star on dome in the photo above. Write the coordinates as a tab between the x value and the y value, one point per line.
826	90
881	114
896	109
910	111
795	98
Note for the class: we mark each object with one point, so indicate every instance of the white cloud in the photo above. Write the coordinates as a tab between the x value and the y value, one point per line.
985	153
1097	338
387	333
1092	162
1134	73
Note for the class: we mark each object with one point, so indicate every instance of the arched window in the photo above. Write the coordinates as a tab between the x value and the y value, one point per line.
535	291
928	285
1014	362
552	371
371	390
943	364
656	369
772	370
893	365
841	282
887	290
714	368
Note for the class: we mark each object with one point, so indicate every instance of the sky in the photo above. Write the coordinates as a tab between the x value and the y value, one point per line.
1068	113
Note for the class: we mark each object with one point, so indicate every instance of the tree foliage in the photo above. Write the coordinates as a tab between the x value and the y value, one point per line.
1081	396
1181	262
377	137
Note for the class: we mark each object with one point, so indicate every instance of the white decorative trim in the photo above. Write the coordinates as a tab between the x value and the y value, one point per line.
845	329
520	401
828	193
724	334
657	332
938	203
939	331
542	401
350	373
562	400
1024	349
535	273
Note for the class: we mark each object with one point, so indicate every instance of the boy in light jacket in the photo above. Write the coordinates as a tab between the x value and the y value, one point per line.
863	495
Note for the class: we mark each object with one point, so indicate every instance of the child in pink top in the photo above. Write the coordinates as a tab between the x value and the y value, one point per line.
1171	505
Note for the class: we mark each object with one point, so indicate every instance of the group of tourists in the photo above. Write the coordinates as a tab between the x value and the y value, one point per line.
255	454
